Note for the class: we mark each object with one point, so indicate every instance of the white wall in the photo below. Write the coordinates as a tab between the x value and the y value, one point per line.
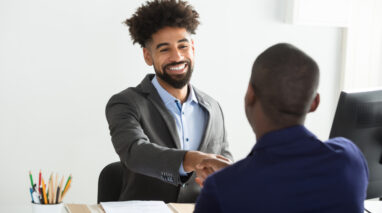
60	61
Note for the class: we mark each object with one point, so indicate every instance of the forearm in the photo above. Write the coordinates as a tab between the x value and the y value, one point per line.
150	159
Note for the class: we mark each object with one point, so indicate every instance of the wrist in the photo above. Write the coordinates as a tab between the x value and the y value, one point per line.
189	161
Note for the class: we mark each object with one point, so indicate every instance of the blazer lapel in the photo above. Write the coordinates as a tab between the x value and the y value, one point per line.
207	131
146	87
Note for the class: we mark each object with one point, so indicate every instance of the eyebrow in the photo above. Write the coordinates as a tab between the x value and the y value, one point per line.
165	43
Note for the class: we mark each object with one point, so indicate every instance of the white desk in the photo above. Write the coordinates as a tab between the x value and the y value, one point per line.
373	205
94	208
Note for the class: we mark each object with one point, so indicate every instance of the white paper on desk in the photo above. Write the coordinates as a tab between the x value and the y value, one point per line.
373	206
135	206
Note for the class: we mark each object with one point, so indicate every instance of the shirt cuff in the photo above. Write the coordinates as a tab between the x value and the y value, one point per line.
181	170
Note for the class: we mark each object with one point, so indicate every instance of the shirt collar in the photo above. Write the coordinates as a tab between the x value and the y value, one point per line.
282	136
168	98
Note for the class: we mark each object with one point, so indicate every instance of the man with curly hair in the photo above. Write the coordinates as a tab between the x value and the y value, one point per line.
164	127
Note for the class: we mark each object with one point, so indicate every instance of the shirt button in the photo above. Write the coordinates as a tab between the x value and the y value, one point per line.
186	139
183	113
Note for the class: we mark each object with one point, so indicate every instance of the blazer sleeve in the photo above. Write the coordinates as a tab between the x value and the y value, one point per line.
133	146
224	150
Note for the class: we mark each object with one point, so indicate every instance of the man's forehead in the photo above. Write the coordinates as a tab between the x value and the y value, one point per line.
170	34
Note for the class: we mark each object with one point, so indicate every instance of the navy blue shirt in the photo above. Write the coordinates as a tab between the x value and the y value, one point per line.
290	170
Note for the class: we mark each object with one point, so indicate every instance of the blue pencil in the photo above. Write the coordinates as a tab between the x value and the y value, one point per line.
31	191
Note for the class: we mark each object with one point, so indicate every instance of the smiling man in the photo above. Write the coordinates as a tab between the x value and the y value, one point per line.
163	128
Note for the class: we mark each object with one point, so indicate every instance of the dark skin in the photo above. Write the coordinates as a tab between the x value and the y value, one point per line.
255	115
272	73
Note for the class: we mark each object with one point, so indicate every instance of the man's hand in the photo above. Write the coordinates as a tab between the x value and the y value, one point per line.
210	165
193	158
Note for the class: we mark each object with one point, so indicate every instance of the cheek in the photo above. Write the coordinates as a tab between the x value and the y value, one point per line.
190	54
160	62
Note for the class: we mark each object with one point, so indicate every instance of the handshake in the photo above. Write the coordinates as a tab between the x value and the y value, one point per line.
204	164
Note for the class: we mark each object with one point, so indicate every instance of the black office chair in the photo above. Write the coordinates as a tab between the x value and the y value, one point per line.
110	182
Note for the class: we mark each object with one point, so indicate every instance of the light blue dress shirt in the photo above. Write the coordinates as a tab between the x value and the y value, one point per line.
190	118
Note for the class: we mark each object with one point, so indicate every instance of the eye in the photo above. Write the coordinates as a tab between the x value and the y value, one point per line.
163	50
183	46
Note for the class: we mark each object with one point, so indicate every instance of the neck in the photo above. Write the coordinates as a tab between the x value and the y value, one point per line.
180	94
267	125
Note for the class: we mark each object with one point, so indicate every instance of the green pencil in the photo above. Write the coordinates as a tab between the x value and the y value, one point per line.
70	176
30	176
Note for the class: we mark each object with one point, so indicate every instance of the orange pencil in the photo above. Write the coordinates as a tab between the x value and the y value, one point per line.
70	176
66	188
43	191
63	195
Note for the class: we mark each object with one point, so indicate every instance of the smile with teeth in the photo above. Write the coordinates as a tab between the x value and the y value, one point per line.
177	68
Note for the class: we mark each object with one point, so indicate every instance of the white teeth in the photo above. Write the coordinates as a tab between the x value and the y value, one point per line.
180	67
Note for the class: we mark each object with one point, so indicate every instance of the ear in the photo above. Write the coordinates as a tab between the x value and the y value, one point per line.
193	47
147	56
315	103
250	96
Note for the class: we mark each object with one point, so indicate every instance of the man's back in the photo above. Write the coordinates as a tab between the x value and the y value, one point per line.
290	170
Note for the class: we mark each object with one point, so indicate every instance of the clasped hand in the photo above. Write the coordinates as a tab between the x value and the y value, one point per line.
204	164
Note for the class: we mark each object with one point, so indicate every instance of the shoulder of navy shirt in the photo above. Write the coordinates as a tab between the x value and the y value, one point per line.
290	170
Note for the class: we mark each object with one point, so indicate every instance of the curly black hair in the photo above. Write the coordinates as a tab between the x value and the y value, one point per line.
155	15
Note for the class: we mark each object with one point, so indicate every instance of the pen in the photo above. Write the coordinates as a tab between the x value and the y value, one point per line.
35	197
41	196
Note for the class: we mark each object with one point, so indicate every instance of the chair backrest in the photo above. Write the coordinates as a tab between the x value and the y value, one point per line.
110	182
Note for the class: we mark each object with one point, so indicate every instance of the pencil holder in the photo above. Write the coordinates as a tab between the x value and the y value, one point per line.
48	208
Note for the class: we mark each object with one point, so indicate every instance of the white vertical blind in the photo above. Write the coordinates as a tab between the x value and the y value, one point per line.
362	66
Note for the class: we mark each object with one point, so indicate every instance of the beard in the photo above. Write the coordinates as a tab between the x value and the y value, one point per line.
177	81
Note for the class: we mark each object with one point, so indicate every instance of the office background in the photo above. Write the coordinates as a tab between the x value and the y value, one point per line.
60	62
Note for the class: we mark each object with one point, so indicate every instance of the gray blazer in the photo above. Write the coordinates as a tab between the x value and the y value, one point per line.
144	135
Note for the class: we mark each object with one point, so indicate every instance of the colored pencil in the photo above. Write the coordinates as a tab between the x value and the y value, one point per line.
39	179
43	191
55	188
67	187
30	176
51	190
63	195
70	176
60	187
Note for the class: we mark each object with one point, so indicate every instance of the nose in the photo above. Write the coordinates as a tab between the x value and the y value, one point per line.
176	55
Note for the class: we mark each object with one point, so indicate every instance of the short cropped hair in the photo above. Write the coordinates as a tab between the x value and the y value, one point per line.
155	15
285	79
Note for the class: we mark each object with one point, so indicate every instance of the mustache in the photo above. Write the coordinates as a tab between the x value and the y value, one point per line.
177	63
